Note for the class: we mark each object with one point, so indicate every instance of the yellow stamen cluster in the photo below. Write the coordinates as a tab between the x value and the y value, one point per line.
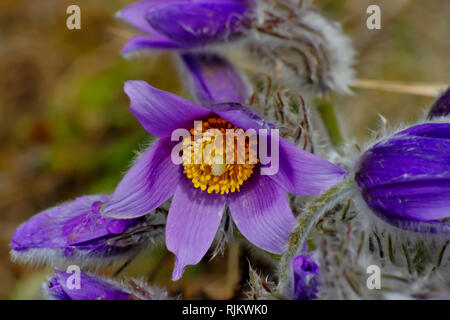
212	170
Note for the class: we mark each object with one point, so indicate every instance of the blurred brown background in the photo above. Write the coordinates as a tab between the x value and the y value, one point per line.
65	129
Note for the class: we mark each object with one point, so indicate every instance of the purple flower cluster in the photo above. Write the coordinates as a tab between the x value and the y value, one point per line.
404	179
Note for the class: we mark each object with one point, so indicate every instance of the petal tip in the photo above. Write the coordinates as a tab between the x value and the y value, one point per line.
178	270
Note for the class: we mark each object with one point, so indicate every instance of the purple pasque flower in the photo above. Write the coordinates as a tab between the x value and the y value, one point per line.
306	277
258	203
184	24
311	49
441	107
64	286
76	231
214	79
405	179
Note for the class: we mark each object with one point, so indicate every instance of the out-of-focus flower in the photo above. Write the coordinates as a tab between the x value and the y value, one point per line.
258	203
214	79
306	279
61	287
64	286
405	178
441	107
311	49
184	24
76	231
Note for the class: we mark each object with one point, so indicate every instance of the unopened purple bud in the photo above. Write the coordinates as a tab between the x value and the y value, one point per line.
405	179
77	285
306	278
87	287
185	24
76	231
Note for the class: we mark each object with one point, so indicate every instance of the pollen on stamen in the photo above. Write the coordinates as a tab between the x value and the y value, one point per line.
212	170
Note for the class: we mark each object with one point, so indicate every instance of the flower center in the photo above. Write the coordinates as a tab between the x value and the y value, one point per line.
218	156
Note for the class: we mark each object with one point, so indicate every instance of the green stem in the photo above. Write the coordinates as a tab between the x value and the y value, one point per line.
309	217
331	123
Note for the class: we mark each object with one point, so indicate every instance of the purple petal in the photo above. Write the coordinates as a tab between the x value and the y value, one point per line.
412	225
214	79
135	14
199	22
306	280
241	116
161	112
262	214
150	182
192	223
427	130
303	173
91	288
143	42
408	174
69	225
441	107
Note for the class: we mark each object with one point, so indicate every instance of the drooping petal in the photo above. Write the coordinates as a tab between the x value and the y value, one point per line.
64	286
306	279
192	223
303	173
441	107
150	182
143	42
262	214
135	14
408	174
199	22
161	112
214	79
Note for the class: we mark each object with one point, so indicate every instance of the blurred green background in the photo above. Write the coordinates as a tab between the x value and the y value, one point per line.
65	129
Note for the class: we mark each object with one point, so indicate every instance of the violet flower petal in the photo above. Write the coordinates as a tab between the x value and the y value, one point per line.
241	116
199	22
135	14
262	213
161	112
71	224
306	279
408	174
303	173
143	42
427	130
150	182
91	288
214	79
192	223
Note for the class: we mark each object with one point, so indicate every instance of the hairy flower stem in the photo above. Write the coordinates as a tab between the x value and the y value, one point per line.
305	222
331	123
